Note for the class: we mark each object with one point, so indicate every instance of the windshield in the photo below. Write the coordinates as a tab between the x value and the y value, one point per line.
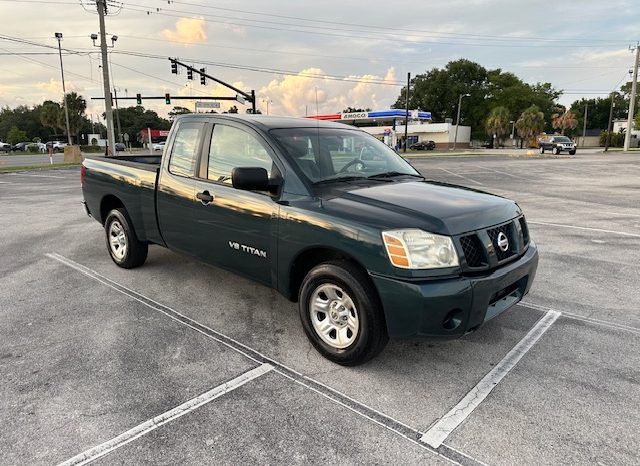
561	139
325	154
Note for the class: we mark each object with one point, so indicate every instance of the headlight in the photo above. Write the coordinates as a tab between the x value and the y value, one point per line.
417	249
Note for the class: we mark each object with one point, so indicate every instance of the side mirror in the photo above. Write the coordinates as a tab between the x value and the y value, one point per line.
250	179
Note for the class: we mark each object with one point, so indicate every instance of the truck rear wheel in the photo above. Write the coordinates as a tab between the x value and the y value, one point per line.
556	150
341	313
124	247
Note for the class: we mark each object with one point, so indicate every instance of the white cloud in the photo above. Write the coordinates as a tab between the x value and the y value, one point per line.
296	95
188	31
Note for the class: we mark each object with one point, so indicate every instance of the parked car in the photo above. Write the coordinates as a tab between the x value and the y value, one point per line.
57	145
557	144
21	146
5	147
120	147
423	145
367	246
159	146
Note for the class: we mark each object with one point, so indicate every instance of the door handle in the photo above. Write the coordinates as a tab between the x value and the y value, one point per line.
205	197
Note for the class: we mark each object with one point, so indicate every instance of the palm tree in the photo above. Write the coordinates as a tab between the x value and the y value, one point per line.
498	123
50	115
530	123
563	121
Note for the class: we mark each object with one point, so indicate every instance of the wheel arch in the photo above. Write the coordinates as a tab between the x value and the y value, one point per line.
310	257
107	204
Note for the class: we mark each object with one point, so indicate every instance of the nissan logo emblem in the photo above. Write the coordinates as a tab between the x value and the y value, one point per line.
503	242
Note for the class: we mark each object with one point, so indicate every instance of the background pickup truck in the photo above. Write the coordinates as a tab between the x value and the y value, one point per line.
557	144
327	215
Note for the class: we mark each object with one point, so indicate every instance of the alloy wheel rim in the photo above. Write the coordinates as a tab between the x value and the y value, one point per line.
334	316
117	240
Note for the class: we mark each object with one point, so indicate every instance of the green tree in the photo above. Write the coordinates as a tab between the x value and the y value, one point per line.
530	123
50	114
636	121
76	107
178	111
355	110
498	122
16	135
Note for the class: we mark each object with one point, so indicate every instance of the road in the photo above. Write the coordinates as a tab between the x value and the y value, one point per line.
92	354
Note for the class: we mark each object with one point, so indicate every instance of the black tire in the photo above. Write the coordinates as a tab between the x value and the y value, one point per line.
556	150
541	150
572	152
135	252
371	337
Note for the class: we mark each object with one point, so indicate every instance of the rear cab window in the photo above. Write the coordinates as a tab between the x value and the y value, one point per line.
185	149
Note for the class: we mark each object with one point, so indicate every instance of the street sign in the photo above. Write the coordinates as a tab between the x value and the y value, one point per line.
240	99
207	105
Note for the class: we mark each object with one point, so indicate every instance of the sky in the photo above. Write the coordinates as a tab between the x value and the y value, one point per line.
303	57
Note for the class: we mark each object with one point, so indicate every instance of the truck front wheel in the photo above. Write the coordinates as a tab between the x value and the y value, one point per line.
123	245
341	313
541	149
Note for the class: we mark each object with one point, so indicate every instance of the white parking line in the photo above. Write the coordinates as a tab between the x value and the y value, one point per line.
450	421
600	230
329	393
38	176
138	431
501	172
461	176
591	320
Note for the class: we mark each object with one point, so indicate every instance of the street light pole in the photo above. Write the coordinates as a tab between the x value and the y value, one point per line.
58	35
101	4
455	138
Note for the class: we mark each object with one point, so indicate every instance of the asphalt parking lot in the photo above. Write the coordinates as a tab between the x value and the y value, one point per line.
95	359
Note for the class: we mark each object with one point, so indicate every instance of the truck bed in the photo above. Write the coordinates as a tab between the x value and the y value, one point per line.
143	162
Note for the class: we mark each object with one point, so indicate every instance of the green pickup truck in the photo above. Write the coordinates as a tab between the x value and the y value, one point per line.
327	215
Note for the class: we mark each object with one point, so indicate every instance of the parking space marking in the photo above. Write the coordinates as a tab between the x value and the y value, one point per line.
450	421
38	176
590	320
185	408
357	407
501	172
460	176
599	230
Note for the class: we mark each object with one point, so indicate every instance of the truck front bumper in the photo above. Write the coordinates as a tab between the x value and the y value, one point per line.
452	307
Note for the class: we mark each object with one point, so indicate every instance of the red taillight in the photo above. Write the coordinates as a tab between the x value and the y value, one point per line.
83	174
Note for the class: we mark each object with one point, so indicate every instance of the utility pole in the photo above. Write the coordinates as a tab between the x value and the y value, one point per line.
58	36
608	140
455	138
102	7
584	125
406	115
632	101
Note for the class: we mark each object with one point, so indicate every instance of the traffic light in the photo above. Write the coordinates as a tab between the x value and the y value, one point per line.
203	78
189	73
174	67
138	99
167	99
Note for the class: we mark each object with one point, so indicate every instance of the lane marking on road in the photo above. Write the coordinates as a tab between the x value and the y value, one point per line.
501	172
130	435
599	230
571	315
436	435
461	176
357	407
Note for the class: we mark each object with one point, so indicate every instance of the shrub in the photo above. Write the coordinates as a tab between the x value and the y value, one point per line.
617	139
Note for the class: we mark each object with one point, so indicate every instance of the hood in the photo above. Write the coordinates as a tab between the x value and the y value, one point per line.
433	206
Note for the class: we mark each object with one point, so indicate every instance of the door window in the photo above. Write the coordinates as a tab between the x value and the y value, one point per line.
232	147
185	149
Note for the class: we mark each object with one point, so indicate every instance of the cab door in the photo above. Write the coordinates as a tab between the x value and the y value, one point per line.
176	199
237	229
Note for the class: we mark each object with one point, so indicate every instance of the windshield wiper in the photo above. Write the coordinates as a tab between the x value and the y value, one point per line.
340	179
392	174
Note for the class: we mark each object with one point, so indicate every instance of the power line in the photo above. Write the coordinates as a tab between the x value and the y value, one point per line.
420	31
145	9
